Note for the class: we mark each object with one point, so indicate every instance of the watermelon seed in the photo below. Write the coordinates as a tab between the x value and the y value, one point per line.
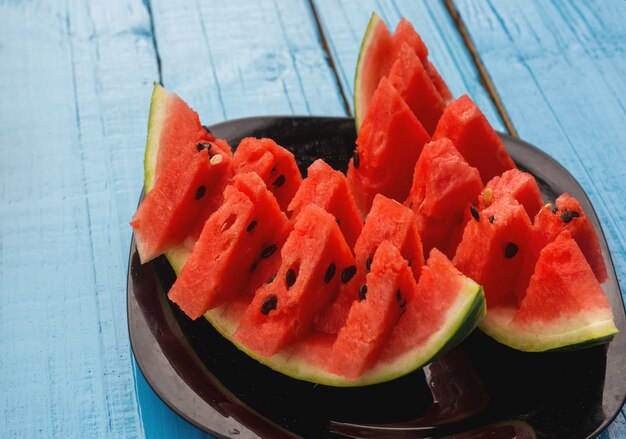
330	273
362	292
356	159
279	181
253	266
216	159
200	192
403	304
474	212
398	295
338	221
491	219
555	209
348	273
368	264
229	222
269	304
206	128
290	278
271	279
569	215
273	170
251	226
510	250
201	146
268	251
487	196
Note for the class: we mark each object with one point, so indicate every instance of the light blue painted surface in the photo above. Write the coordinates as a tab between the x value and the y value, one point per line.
560	69
344	24
75	84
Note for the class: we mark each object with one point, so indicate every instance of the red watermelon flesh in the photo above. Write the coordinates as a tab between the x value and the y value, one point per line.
470	131
312	261
181	200
437	289
387	221
273	163
241	235
562	287
548	224
520	185
390	141
410	78
329	189
443	187
405	34
493	248
382	298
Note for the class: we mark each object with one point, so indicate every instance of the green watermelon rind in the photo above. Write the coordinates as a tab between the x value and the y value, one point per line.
158	113
497	324
461	320
374	22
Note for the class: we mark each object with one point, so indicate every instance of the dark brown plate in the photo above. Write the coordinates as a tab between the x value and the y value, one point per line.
480	389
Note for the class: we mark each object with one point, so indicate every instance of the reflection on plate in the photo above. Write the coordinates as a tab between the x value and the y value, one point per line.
479	389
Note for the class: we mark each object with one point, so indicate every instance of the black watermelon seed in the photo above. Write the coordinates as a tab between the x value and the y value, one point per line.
492	219
251	226
268	251
368	264
269	304
555	209
271	279
398	295
569	215
356	159
206	128
273	170
362	292
474	212
290	278
330	273
201	146
403	304
200	192
279	181
348	273
510	250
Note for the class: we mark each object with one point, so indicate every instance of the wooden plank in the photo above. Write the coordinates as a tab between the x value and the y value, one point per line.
344	24
228	62
76	80
559	69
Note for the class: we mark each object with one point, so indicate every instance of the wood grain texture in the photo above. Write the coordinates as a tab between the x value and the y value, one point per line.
235	59
559	68
344	24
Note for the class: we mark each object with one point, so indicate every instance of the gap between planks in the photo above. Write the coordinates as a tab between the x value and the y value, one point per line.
485	79
148	5
331	60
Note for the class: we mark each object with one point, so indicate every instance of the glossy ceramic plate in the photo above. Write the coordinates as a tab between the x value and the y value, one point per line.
479	389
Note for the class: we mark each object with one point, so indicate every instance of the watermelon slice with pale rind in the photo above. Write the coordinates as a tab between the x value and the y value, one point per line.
564	306
379	50
328	188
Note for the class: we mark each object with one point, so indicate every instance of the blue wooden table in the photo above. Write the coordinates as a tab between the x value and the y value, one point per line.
75	84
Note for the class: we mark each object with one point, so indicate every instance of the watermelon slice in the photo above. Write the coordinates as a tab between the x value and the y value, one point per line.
494	243
379	51
313	259
329	189
389	143
470	131
387	221
237	240
273	163
444	186
564	306
520	185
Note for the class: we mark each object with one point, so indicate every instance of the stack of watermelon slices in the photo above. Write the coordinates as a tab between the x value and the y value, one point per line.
324	279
